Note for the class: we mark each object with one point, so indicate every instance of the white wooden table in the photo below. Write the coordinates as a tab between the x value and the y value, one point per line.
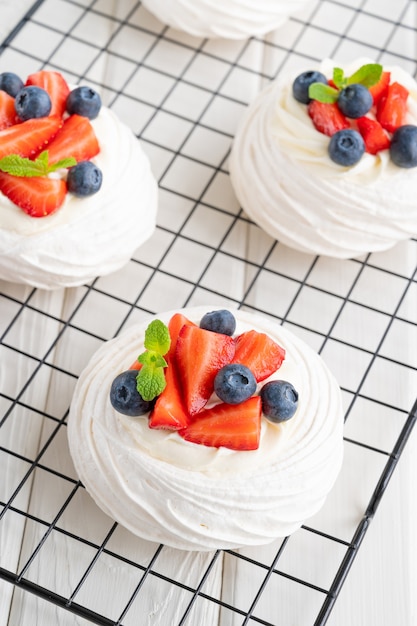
183	97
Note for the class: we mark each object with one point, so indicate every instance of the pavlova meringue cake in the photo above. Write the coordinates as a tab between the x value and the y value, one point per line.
230	19
283	169
64	236
201	470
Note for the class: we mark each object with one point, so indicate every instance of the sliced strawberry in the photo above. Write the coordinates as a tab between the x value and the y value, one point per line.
326	117
76	139
259	353
30	137
374	136
392	109
55	85
37	197
379	90
169	411
177	321
234	426
135	365
8	115
199	354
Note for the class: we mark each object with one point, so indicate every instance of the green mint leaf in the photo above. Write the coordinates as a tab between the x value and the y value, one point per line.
16	165
21	166
339	77
62	164
157	337
150	382
323	93
152	358
367	75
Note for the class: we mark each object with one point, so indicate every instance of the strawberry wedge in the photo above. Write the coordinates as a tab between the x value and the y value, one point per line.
233	426
56	87
8	115
29	138
392	109
169	411
259	353
199	355
38	197
374	136
327	117
76	139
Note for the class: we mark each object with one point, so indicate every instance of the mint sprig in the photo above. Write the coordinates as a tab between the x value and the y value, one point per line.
323	93
17	165
150	381
367	75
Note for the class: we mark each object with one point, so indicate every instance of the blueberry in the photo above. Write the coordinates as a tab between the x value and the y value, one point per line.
84	179
346	147
84	101
234	383
222	321
125	397
302	83
11	83
403	150
355	100
31	102
279	400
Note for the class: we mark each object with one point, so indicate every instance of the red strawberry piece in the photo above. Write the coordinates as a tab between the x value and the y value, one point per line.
38	197
8	115
259	353
379	90
76	139
135	365
55	85
373	134
177	321
326	117
199	355
169	411
30	137
392	109
234	426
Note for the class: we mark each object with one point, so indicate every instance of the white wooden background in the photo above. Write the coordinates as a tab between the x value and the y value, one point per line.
380	589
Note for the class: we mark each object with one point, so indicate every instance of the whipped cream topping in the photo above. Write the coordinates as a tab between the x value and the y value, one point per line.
286	182
85	237
196	497
230	19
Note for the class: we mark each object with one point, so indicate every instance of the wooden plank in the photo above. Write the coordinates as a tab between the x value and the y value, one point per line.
21	431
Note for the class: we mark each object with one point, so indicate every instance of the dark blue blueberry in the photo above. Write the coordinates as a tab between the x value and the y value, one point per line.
222	321
234	383
11	83
355	101
84	179
403	149
346	147
31	102
302	83
279	400
125	397
84	101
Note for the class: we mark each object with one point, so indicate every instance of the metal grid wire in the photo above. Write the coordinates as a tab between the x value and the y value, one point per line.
182	97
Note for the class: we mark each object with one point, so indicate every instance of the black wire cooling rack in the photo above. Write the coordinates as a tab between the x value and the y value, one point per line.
61	560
